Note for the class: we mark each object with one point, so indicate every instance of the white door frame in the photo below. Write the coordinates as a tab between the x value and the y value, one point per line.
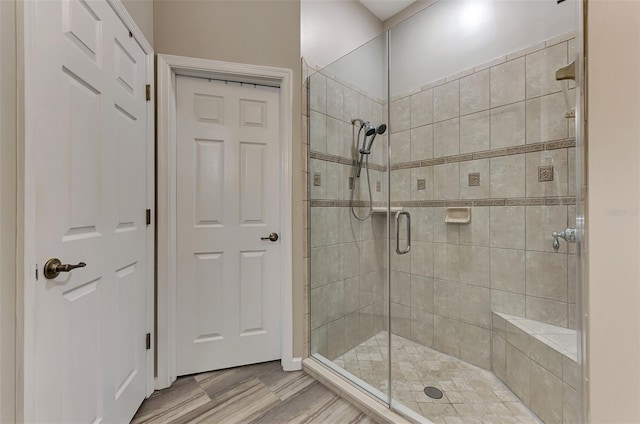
27	174
168	67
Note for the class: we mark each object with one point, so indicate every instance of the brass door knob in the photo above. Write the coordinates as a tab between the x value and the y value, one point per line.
271	237
54	267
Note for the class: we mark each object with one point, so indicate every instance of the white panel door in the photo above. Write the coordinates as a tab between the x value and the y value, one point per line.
228	196
88	78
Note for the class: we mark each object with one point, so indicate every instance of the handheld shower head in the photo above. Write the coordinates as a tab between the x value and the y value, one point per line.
369	129
380	130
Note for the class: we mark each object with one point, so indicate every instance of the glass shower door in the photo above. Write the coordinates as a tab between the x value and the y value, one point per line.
348	217
482	158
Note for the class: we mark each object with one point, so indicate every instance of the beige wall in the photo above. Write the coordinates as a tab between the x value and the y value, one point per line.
142	13
613	224
7	208
265	33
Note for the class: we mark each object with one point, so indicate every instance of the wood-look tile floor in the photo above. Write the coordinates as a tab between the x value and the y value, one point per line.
260	393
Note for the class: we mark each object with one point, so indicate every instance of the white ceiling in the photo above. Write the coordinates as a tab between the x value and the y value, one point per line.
384	9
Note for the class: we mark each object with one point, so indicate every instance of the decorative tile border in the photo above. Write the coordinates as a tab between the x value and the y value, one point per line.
532	201
517	150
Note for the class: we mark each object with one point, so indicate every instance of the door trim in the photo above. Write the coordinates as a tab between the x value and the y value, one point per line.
168	67
26	209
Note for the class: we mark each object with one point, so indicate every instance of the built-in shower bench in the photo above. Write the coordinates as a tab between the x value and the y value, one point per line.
538	362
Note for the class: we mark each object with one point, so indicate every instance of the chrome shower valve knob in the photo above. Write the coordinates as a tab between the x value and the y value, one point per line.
568	234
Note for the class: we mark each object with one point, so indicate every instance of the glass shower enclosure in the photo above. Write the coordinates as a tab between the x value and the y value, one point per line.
443	157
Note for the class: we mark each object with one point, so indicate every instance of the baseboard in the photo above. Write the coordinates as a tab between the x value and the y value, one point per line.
293	364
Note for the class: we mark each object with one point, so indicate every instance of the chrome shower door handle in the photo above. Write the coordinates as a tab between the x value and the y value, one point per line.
408	215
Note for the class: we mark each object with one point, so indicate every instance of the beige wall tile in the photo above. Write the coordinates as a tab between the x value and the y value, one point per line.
318	266
546	118
422	293
475	132
350	260
446	101
507	302
422	142
401	147
352	295
474	92
508	176
318	93
570	405
475	192
507	83
443	232
549	311
426	174
517	337
507	227
446	181
570	372
475	345
446	262
365	108
559	185
318	132
319	341
351	331
422	258
518	373
400	181
335	339
545	356
499	356
401	288
337	144
474	266
477	232
547	275
422	108
422	327
508	125
546	394
349	104
335	100
421	224
508	270
541	69
446	138
446	336
400	115
542	221
446	298
475	308
401	320
334	183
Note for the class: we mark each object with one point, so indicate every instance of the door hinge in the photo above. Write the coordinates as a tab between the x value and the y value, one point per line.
148	341
148	88
148	216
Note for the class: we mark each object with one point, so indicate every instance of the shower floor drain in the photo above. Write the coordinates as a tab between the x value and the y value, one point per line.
433	392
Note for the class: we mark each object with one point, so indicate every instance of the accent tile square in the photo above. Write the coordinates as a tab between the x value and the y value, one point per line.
474	179
317	180
545	173
422	184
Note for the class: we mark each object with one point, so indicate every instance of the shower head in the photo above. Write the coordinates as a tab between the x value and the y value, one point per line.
369	129
380	130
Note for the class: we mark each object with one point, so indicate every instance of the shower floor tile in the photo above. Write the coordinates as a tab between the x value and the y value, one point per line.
471	394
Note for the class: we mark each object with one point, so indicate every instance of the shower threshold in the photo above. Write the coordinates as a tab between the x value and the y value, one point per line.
470	394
